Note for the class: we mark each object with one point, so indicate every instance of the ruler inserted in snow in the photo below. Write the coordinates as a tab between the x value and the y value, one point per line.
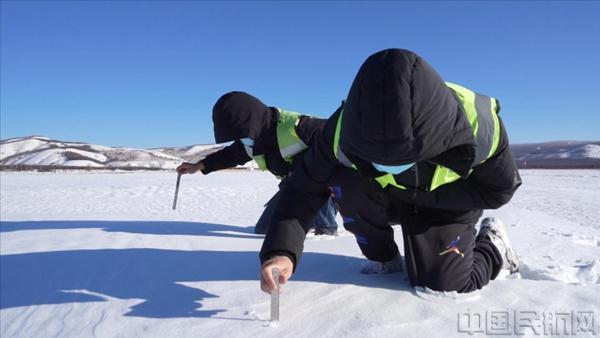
275	297
176	191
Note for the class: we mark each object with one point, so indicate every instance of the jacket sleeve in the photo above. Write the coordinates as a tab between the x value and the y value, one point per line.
302	195
228	157
309	128
490	185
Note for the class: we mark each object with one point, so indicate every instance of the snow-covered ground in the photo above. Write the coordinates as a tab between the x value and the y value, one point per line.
103	255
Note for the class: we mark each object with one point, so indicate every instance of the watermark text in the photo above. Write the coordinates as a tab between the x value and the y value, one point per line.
527	322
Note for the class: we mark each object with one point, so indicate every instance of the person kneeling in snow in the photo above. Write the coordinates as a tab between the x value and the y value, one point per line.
405	148
276	139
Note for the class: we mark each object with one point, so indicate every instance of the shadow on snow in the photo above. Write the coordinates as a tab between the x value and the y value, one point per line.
138	227
154	275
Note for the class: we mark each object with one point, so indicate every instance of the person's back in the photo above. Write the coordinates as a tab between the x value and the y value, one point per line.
407	148
274	138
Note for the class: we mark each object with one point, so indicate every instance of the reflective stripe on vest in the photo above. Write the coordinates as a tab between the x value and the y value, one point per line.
482	113
287	139
260	161
337	151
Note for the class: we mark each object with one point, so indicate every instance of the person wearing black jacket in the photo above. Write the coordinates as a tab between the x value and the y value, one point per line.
405	148
256	132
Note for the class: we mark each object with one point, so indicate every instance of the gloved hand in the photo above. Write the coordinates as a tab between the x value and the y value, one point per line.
189	168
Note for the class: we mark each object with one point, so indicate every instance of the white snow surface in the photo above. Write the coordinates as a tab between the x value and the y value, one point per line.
104	255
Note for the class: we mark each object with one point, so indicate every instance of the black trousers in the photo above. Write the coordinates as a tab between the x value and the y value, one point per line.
440	246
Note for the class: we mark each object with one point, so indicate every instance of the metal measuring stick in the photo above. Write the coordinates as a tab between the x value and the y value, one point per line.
275	297
176	191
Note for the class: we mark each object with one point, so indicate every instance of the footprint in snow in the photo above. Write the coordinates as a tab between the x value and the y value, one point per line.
582	272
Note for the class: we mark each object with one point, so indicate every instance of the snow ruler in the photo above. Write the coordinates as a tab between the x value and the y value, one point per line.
176	191
275	297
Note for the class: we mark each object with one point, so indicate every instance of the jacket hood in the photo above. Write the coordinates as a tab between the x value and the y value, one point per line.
238	115
400	111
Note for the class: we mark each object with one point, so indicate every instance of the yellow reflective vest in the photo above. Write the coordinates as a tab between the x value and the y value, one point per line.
482	113
288	141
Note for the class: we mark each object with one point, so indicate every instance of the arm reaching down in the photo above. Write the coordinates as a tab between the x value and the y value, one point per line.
228	157
189	168
301	197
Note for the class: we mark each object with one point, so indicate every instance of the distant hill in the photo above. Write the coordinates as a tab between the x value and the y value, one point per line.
42	153
557	154
37	152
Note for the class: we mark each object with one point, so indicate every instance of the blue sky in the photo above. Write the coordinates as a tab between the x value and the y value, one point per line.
146	74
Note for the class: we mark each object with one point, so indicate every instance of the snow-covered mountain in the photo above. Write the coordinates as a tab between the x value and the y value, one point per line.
37	152
558	154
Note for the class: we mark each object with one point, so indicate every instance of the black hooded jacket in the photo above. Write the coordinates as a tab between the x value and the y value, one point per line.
238	115
398	111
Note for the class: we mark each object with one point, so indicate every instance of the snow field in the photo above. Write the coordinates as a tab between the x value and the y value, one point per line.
103	255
